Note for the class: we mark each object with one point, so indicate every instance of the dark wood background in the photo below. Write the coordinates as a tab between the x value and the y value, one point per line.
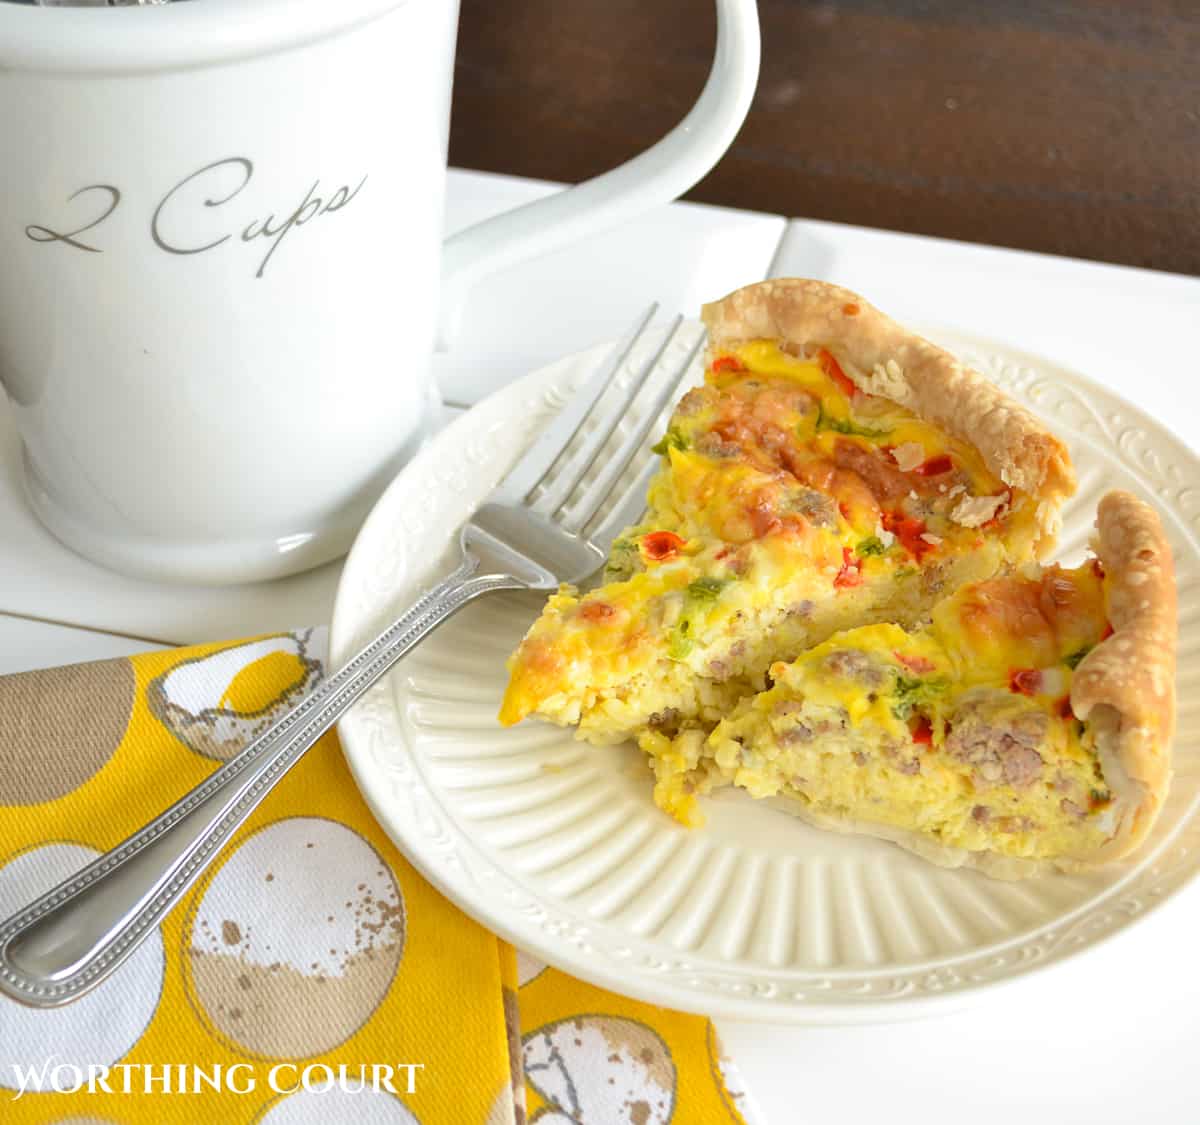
1067	126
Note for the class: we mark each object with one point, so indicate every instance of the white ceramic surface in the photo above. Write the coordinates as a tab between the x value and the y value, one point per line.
557	846
27	644
222	260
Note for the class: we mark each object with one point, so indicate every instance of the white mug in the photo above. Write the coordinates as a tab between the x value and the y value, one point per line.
220	258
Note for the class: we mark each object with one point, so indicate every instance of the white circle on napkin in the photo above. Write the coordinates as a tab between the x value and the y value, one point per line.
528	967
320	1107
97	1029
296	939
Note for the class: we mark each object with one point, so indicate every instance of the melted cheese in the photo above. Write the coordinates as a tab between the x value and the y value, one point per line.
860	726
898	425
788	519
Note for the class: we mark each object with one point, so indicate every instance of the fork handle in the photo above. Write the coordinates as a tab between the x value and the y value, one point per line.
69	940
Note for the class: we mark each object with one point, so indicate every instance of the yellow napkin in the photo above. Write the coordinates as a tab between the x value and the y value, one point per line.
311	976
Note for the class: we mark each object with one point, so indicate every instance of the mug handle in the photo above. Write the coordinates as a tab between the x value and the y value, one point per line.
662	173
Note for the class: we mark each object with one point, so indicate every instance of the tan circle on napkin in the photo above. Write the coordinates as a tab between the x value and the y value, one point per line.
219	703
295	940
599	1069
59	726
512	1031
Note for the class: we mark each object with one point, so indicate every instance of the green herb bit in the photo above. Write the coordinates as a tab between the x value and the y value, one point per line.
706	589
870	546
672	439
1073	660
681	643
912	692
623	560
824	422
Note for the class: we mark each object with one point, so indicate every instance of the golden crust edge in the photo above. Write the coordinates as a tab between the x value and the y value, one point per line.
884	358
1125	687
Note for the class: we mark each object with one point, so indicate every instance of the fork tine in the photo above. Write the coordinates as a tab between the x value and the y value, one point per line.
527	474
628	508
600	488
569	476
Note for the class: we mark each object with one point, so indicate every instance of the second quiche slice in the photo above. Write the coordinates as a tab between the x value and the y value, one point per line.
1026	726
833	470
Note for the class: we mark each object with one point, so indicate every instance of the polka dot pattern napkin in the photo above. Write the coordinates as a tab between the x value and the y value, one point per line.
311	976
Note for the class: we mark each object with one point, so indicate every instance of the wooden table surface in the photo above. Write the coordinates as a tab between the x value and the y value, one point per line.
1067	126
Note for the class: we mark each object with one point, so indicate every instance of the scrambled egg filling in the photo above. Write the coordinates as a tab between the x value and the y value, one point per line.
790	505
961	730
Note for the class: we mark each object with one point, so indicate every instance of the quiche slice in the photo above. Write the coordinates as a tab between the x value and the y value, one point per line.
1027	725
833	469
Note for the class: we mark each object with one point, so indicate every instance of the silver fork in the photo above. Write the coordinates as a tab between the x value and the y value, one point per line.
535	530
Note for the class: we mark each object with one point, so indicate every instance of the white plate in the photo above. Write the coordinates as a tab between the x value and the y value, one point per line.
558	847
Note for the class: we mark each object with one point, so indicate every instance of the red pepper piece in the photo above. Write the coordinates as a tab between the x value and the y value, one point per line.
923	732
596	611
908	529
727	363
658	546
851	571
913	663
1025	681
935	466
833	369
